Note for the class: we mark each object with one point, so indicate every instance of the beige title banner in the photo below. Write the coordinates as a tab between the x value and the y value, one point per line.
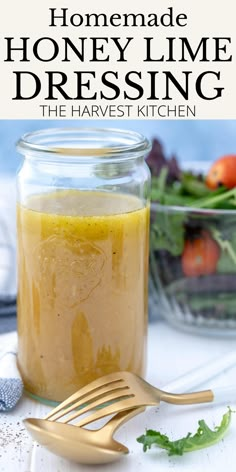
160	60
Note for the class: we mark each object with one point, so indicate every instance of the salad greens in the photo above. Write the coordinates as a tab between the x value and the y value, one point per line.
204	437
191	239
189	191
168	233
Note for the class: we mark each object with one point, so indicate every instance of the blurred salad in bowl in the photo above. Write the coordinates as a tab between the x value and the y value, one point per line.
193	243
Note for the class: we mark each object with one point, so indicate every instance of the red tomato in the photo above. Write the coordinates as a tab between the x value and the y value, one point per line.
200	255
222	172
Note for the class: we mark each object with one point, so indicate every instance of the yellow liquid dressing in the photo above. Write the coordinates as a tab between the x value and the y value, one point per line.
83	274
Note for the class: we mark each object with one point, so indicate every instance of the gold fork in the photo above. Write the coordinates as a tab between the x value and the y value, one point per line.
120	391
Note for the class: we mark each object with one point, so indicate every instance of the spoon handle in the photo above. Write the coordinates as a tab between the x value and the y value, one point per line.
116	421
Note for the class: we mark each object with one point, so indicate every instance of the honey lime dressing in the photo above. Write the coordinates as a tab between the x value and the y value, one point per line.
82	267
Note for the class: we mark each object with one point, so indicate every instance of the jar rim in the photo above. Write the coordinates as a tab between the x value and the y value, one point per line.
101	144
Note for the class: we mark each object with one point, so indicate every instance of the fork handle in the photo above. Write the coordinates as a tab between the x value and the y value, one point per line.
205	396
216	395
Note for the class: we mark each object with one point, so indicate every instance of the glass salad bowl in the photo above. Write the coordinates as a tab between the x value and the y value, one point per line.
193	267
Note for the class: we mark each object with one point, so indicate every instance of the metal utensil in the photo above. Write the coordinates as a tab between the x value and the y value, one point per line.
79	444
187	381
120	391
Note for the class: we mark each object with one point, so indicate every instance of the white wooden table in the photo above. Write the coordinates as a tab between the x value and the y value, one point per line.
171	353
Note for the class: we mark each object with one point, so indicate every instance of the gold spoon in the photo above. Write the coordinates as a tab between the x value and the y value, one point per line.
79	444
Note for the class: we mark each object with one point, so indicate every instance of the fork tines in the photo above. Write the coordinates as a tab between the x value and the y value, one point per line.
101	393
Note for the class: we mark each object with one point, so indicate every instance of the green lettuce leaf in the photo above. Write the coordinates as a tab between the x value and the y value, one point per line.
167	232
204	437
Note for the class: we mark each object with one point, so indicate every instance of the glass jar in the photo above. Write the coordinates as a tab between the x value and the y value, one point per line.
83	232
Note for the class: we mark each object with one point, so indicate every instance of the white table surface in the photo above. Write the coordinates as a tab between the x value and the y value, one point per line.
171	353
